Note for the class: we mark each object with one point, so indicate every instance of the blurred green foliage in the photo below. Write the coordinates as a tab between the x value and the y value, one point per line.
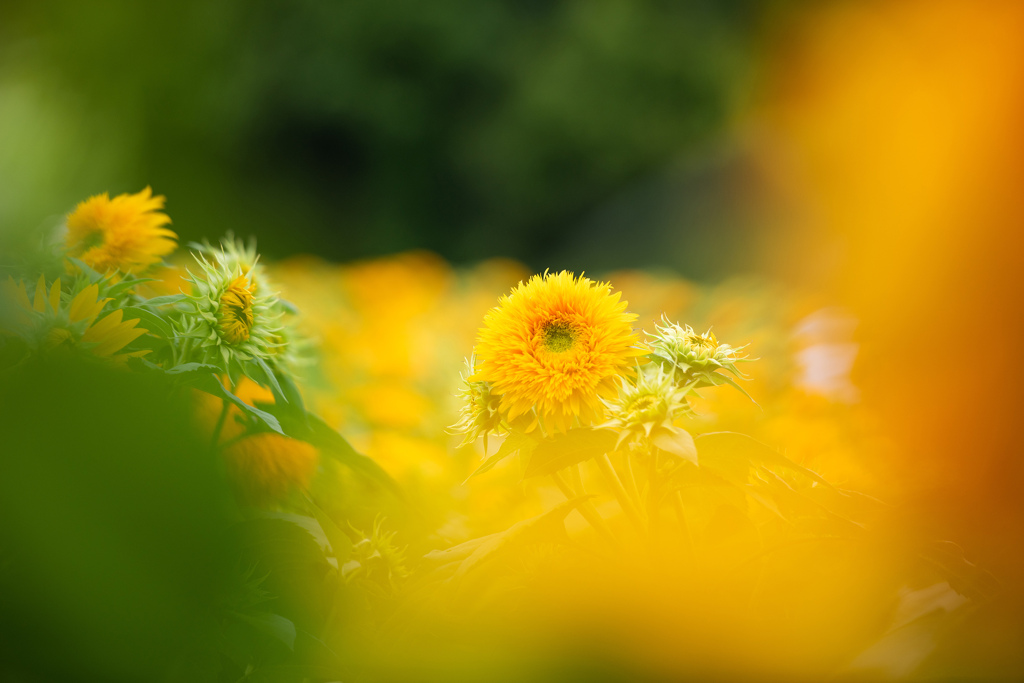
361	127
112	517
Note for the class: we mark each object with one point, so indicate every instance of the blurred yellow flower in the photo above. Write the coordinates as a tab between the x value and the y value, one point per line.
45	322
267	465
556	345
125	234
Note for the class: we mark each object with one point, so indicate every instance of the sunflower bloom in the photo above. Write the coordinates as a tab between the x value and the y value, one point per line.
47	324
555	346
126	233
233	320
266	466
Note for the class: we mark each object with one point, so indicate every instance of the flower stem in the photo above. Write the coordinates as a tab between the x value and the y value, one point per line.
220	421
677	501
653	492
586	509
625	502
633	488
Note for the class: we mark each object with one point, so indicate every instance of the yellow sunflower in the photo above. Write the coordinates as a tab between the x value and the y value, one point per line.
266	466
47	325
125	234
555	346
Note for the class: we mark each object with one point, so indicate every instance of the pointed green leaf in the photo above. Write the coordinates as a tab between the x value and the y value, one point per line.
568	449
736	445
273	625
156	325
341	544
516	441
677	442
165	300
211	385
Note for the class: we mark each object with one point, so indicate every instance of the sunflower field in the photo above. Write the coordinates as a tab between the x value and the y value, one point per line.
542	341
430	471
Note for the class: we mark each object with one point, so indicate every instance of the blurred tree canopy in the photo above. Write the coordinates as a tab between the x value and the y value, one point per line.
363	127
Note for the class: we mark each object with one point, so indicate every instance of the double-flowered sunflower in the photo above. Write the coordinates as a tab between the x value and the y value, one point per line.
554	347
127	234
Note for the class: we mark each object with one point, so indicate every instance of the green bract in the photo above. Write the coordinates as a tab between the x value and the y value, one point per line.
649	405
480	414
694	359
230	319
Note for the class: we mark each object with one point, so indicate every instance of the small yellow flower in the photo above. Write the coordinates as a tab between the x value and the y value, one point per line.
267	466
555	346
126	233
45	323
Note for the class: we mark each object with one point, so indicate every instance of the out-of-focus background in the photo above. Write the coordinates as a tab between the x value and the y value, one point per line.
544	131
863	159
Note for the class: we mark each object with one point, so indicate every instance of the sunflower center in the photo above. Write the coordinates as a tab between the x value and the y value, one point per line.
57	337
559	336
235	312
93	238
703	341
643	403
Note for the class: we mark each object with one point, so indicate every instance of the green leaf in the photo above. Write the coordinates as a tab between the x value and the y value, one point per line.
165	300
89	273
312	429
310	524
267	378
273	625
292	395
677	442
124	285
530	530
569	448
156	325
736	445
210	383
341	544
517	441
185	368
717	379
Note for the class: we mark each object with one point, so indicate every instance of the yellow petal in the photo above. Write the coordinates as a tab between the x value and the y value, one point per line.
118	339
100	330
55	295
40	299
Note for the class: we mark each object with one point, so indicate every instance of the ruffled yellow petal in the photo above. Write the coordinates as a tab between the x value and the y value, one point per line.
555	345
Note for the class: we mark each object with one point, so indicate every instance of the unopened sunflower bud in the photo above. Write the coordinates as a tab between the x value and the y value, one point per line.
232	320
693	358
649	405
481	408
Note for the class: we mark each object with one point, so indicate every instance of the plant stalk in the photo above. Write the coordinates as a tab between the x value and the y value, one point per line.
586	509
604	463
